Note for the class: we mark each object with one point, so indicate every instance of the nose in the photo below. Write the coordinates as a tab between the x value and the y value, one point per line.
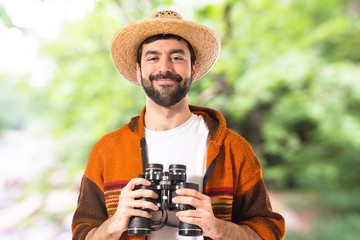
166	65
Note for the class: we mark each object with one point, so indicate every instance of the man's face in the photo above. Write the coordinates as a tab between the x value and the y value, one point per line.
166	73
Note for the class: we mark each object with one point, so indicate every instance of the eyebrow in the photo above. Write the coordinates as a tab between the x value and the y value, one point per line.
151	52
177	51
154	52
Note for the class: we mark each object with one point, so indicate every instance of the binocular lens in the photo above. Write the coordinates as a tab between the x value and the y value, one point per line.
154	167
177	168
186	229
140	231
139	226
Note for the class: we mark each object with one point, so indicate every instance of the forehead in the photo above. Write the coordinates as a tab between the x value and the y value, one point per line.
166	45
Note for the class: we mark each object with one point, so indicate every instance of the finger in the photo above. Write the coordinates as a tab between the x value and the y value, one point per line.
198	213
139	213
140	204
188	213
196	203
140	193
191	220
135	181
191	193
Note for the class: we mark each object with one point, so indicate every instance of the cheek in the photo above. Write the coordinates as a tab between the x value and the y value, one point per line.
183	70
147	70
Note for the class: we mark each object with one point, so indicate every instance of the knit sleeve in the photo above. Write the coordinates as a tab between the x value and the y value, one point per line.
91	210
251	204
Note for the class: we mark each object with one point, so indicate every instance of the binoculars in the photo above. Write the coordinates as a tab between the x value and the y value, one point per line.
165	185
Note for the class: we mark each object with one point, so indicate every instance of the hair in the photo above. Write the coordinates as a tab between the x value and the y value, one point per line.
165	36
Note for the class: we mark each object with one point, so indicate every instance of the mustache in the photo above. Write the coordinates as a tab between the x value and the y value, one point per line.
167	75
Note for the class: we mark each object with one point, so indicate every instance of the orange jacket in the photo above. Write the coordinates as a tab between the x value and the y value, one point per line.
235	185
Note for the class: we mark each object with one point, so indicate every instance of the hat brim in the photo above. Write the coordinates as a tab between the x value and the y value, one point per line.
126	42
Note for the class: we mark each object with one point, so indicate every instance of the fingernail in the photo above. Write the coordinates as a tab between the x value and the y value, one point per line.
174	200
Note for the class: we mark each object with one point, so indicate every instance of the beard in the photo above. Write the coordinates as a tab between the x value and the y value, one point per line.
166	95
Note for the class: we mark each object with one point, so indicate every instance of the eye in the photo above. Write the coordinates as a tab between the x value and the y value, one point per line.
152	59
177	58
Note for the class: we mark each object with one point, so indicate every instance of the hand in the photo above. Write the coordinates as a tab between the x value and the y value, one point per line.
202	216
130	205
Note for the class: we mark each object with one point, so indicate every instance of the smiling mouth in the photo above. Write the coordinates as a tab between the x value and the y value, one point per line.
166	81
167	77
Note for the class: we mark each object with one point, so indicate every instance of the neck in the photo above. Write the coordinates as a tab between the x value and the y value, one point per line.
159	118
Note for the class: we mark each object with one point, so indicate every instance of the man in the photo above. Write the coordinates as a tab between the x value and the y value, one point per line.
164	55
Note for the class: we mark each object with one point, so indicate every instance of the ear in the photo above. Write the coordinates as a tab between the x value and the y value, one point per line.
194	72
138	73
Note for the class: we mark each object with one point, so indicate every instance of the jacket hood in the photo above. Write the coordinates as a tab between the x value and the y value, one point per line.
213	119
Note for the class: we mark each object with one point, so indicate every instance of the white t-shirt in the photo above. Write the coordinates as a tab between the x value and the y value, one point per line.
187	145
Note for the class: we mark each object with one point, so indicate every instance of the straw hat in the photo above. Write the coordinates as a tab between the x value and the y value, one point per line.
126	42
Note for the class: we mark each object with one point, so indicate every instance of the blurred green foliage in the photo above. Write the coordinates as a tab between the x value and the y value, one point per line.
287	80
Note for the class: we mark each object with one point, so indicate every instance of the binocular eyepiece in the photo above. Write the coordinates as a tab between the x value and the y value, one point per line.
165	185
